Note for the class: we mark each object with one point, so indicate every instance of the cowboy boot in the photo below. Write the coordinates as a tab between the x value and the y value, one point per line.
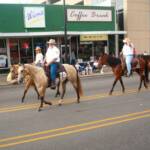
53	85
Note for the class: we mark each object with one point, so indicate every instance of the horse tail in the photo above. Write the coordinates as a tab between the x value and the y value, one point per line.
146	72
79	86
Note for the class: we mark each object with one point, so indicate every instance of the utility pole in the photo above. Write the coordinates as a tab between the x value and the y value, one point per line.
65	27
116	29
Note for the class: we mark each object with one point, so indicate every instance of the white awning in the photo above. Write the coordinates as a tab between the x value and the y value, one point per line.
58	33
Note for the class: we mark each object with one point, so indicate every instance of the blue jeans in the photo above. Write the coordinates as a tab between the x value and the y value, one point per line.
53	70
128	63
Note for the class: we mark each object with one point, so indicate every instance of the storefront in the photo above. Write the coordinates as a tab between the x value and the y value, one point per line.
37	23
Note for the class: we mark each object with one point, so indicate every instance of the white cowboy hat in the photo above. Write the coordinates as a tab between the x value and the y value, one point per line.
126	40
51	41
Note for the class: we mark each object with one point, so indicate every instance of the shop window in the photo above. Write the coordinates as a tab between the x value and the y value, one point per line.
85	52
3	54
14	51
26	52
41	42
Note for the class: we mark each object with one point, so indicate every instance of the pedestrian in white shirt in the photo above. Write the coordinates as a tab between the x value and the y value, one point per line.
128	52
52	60
39	57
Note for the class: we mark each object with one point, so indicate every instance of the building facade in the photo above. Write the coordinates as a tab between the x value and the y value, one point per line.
90	30
137	23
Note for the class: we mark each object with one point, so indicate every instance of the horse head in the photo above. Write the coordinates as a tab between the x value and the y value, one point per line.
21	73
14	71
102	59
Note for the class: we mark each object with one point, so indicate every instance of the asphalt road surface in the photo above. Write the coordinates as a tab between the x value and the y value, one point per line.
99	122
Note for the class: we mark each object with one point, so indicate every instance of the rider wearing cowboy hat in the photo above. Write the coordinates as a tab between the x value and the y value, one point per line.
52	58
128	51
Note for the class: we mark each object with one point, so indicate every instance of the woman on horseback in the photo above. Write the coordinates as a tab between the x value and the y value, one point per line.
39	57
128	53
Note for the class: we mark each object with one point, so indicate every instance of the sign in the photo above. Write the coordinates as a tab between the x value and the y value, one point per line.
34	17
93	37
89	15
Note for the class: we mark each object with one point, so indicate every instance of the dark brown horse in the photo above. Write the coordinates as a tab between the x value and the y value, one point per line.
117	68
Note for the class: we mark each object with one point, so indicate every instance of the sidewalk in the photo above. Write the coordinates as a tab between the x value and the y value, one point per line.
106	70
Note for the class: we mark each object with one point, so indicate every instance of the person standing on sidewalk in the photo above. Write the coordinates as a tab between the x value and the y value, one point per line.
52	60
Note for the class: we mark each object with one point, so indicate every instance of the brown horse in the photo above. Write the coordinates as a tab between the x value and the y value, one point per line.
116	65
40	80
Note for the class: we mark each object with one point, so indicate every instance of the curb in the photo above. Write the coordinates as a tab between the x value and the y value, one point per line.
81	76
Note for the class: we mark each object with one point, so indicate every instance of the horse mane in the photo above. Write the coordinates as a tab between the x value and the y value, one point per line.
34	69
113	61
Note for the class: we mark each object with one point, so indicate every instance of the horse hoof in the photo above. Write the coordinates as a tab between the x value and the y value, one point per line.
39	110
110	93
50	103
59	104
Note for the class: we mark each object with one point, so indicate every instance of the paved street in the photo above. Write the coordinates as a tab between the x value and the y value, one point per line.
99	122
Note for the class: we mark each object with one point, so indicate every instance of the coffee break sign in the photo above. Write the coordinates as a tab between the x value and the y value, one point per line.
89	15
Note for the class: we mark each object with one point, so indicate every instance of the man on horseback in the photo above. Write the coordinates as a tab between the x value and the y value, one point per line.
52	59
128	53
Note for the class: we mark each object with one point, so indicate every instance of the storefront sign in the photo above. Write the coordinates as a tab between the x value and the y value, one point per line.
89	15
34	17
93	37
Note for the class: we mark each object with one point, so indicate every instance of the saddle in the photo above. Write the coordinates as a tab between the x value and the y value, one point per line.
135	65
60	70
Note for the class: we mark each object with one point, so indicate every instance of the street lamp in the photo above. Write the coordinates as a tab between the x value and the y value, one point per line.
65	28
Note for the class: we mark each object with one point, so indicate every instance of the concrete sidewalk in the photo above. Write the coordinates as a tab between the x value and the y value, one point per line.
106	70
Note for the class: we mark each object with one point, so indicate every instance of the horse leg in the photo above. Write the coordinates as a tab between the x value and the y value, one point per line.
77	92
58	86
36	91
145	84
121	82
115	81
141	79
42	102
25	91
41	105
24	94
63	92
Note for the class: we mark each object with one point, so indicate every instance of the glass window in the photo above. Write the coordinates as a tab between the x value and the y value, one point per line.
14	52
41	42
26	52
85	52
3	54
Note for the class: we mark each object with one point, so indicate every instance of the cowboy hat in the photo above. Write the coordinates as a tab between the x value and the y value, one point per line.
126	40
51	41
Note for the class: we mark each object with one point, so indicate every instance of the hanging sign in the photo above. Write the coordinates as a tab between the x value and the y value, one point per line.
34	17
93	37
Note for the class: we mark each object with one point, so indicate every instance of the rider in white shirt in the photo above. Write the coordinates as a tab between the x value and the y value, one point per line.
52	58
39	57
128	51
